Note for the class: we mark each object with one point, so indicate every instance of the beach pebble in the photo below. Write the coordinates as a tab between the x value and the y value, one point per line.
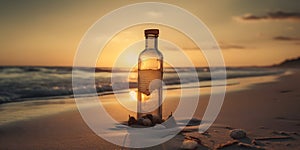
194	122
189	144
237	134
131	120
156	120
140	121
149	116
147	122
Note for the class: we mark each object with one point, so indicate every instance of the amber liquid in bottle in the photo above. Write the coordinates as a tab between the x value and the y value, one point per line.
150	74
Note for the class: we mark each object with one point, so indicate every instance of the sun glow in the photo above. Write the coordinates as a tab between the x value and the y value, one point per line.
133	95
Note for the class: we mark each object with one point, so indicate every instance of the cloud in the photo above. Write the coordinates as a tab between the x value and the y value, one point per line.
276	15
285	38
222	45
230	46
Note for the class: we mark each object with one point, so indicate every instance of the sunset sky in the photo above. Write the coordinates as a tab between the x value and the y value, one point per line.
47	32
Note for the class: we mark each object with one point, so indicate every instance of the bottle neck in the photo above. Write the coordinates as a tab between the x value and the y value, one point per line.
151	42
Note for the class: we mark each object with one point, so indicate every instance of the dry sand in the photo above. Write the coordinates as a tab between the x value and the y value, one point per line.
268	112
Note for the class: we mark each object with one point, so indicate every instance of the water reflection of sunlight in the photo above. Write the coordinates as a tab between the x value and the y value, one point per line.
132	77
133	95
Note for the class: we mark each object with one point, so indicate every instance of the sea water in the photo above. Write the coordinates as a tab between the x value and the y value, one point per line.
27	83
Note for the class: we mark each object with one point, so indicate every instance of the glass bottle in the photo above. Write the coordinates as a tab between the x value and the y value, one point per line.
150	74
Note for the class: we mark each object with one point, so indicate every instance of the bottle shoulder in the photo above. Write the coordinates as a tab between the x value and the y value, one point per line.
151	53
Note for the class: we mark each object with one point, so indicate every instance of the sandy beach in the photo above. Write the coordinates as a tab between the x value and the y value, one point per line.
265	107
154	75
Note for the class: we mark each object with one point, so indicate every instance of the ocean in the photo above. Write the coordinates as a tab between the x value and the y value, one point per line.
21	83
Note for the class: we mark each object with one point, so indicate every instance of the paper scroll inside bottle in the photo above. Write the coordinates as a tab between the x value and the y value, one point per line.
150	81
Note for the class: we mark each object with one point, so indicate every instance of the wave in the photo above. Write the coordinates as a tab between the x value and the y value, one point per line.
22	83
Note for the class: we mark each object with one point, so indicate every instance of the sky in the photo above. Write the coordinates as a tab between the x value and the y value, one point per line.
48	32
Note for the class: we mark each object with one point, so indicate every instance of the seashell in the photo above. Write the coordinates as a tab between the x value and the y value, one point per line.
189	144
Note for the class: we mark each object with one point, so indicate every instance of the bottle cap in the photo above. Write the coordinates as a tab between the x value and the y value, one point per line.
152	32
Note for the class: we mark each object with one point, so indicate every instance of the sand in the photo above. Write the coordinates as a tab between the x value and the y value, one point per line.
267	111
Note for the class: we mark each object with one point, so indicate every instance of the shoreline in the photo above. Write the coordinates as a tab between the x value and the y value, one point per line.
21	110
262	108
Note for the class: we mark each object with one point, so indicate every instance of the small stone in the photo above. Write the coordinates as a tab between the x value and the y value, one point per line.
156	120
149	116
140	121
147	122
131	120
194	122
237	134
189	144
